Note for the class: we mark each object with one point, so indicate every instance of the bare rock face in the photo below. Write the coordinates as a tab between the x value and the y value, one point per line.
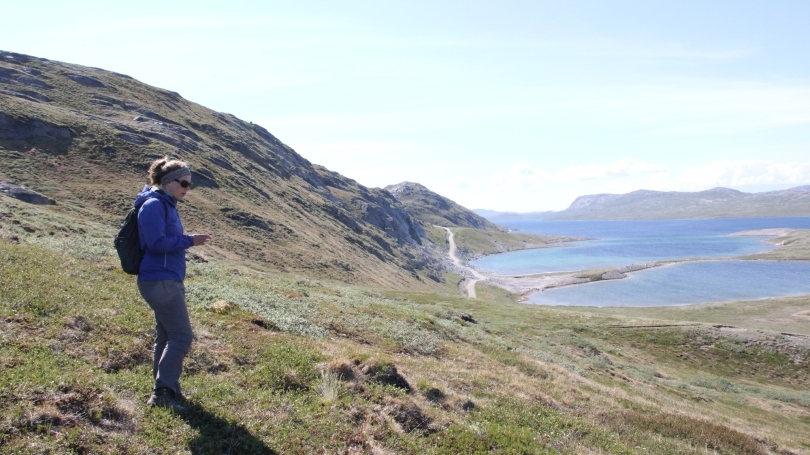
432	208
24	194
376	207
24	127
24	76
87	81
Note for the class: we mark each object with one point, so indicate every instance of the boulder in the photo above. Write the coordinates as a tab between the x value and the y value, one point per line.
24	194
27	127
87	81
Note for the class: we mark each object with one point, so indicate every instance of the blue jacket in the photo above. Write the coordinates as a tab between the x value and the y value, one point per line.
161	233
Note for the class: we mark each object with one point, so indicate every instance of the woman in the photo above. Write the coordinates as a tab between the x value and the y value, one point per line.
162	271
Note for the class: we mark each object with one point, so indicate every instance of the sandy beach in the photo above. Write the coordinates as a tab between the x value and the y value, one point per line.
528	284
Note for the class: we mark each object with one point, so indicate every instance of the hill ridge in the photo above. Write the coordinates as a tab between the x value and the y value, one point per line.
718	202
69	131
434	209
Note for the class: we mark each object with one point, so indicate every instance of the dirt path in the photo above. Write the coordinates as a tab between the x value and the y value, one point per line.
477	276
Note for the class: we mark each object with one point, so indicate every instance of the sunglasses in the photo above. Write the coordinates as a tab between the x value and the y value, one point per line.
183	183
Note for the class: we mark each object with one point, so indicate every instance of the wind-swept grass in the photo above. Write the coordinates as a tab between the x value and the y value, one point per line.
295	365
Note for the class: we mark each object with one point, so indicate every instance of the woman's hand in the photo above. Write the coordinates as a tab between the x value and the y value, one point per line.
201	239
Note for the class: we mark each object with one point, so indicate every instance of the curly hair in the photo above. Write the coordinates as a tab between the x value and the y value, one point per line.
163	166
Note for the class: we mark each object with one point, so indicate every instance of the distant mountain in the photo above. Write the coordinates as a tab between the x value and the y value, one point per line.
83	138
646	205
434	209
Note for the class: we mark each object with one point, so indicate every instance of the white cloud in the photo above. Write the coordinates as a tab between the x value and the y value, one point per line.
622	168
520	176
524	188
680	108
740	174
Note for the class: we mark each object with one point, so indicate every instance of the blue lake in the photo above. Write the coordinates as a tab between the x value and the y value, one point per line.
687	283
620	243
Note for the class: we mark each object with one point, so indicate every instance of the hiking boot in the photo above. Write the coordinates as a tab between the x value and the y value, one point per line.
164	398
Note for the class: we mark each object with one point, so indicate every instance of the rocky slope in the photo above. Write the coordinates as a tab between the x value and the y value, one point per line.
434	209
83	137
645	204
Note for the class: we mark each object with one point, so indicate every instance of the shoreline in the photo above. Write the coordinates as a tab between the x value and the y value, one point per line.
563	242
525	285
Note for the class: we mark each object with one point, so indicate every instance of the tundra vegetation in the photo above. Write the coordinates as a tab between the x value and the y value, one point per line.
291	364
325	321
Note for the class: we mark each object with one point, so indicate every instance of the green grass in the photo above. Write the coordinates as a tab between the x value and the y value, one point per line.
478	242
437	235
782	314
297	365
795	246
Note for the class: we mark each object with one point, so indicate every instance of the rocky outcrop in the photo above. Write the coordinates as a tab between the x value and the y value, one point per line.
376	207
28	95
24	194
432	208
27	127
87	81
23	76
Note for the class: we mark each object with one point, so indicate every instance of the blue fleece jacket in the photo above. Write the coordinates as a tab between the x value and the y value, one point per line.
161	233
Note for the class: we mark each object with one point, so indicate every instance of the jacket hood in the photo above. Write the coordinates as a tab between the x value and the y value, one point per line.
148	193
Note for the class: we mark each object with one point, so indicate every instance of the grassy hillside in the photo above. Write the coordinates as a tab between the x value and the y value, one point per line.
84	138
286	364
474	243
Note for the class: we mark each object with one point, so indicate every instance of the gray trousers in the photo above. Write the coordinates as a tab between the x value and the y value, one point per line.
173	333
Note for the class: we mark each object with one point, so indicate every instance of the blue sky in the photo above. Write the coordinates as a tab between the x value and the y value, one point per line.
508	105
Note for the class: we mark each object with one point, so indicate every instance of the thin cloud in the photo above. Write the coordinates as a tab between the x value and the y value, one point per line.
521	175
682	108
622	168
742	173
608	47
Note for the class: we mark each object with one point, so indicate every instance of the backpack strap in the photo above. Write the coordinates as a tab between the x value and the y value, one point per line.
138	209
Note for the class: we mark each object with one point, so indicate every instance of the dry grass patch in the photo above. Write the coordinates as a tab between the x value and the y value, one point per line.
700	433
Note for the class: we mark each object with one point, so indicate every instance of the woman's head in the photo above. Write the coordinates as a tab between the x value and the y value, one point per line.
173	176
